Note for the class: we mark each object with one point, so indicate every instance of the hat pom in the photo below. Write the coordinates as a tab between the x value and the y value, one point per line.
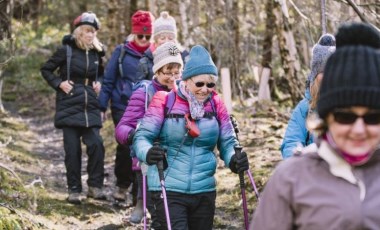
164	15
352	34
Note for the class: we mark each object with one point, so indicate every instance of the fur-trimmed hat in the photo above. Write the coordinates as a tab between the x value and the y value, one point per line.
142	22
87	18
165	54
164	24
352	74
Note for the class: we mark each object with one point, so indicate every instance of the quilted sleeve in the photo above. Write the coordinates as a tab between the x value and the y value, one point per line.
150	126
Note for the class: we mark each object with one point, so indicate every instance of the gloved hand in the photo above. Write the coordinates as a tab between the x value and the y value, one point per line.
239	163
130	137
155	154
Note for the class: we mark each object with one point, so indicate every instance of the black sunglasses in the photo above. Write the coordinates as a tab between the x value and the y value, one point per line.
141	36
200	84
348	118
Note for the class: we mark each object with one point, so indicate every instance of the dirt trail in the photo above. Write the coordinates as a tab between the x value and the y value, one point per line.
92	214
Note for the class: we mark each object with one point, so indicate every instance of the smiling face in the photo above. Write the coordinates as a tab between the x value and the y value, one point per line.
358	137
201	86
87	34
168	74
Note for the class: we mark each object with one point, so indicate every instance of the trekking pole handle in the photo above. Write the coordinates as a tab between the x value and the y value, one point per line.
160	165
238	150
236	127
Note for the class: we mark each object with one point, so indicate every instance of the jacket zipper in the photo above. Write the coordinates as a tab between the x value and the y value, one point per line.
85	92
191	163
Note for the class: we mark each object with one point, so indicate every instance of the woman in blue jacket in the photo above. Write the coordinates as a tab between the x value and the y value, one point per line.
189	152
297	134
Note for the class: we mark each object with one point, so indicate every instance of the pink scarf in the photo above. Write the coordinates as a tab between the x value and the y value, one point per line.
351	159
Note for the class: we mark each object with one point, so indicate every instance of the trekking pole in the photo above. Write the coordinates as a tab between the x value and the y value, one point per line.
144	169
236	129
160	168
242	188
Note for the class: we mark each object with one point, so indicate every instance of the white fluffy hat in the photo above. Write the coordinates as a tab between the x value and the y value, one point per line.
164	24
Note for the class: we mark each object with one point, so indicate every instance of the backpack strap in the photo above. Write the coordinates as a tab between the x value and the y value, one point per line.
170	103
69	53
120	60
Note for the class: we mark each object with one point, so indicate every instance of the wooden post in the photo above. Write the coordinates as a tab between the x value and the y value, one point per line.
226	88
264	92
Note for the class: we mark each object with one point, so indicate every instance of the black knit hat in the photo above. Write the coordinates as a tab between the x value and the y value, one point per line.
352	74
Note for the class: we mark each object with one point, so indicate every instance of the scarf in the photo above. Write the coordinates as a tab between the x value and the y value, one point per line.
351	159
197	109
141	49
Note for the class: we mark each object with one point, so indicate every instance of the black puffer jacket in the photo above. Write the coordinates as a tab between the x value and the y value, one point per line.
79	108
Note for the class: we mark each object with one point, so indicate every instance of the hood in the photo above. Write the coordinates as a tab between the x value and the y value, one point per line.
68	40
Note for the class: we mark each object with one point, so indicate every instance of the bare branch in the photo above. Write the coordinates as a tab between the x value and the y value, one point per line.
357	10
298	10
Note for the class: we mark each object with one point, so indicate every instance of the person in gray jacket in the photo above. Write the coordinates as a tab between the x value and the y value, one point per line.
335	184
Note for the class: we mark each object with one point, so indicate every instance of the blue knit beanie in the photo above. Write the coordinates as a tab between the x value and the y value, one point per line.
199	62
321	51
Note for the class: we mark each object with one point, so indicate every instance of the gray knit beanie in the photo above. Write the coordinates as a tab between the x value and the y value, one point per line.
321	51
165	54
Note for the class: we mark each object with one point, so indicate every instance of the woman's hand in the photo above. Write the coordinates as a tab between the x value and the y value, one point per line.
103	116
66	86
97	86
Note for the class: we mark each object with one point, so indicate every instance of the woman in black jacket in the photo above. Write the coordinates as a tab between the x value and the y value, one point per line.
77	85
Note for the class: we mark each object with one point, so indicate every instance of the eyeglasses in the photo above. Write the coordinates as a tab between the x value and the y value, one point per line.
348	118
175	75
200	84
141	36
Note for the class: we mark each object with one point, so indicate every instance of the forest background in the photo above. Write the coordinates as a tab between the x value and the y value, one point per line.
254	39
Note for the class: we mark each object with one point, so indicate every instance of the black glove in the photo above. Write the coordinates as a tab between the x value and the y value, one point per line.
130	137
155	154
239	163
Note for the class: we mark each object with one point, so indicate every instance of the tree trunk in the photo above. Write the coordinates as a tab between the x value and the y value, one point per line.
269	33
6	42
289	58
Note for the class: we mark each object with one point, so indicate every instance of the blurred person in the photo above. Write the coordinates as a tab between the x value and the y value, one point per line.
167	69
334	184
117	88
79	61
164	30
296	134
187	132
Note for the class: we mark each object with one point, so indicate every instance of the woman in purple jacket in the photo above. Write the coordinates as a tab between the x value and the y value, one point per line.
167	69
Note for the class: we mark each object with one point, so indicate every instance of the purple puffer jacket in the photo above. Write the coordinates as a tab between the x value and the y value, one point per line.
136	110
